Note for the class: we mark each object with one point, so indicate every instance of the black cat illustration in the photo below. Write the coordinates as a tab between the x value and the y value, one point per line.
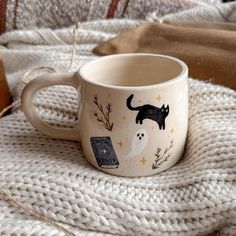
149	112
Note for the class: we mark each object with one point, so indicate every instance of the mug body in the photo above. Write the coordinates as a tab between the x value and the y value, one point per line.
133	113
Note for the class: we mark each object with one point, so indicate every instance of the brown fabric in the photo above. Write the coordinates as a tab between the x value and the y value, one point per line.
3	10
209	49
4	92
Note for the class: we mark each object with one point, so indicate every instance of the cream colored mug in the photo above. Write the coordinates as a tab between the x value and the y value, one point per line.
133	112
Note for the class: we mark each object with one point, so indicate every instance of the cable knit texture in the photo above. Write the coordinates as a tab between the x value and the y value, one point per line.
195	197
25	14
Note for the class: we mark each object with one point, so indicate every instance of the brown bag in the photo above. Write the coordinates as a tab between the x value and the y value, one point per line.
209	49
4	92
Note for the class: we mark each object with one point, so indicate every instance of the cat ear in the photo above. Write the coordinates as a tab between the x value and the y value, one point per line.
167	107
163	106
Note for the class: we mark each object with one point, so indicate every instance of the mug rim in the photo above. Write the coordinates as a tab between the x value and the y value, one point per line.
183	73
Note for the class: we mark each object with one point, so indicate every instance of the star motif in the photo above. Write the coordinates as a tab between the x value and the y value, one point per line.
104	151
172	130
158	98
120	143
143	161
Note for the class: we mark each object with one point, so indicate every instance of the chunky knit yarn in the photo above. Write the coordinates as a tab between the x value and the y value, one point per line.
25	14
195	197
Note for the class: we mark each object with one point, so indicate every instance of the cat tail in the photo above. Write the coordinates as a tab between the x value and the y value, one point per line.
128	103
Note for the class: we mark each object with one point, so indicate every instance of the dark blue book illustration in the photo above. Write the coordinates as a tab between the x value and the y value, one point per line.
104	152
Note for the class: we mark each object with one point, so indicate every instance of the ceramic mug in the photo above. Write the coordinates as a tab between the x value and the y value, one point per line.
133	113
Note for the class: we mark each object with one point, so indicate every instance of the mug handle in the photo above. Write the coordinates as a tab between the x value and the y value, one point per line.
70	79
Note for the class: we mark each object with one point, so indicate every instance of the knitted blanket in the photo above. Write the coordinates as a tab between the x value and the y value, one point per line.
195	197
25	14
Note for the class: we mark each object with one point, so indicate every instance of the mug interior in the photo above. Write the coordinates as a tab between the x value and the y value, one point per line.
132	70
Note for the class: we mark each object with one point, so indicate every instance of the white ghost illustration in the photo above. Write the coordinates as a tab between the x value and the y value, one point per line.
139	142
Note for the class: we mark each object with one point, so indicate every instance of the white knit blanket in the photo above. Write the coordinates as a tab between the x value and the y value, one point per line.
195	197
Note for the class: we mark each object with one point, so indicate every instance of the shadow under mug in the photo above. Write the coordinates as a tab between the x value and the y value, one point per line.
133	113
